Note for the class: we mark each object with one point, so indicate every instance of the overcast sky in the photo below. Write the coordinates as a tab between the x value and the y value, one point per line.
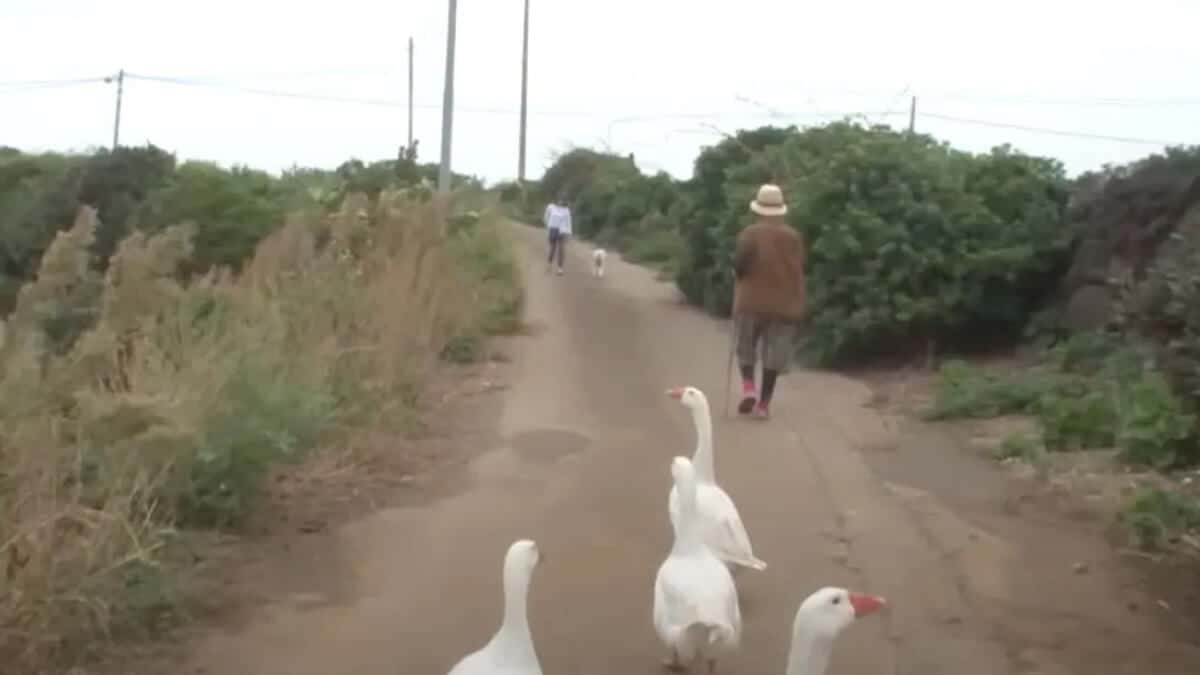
654	77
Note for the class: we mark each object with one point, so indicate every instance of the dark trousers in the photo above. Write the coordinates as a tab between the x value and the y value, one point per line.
558	242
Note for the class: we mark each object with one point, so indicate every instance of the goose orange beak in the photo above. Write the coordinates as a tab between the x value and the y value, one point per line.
675	392
864	604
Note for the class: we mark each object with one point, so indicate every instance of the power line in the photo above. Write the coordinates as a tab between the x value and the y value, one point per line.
267	92
48	85
1051	132
392	103
385	70
770	113
35	83
1016	99
323	98
1081	101
926	94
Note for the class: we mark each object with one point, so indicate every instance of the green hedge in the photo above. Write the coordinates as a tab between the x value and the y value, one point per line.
909	239
143	188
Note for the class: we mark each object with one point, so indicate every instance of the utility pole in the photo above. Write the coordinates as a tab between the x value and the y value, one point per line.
448	103
912	115
120	79
524	96
410	92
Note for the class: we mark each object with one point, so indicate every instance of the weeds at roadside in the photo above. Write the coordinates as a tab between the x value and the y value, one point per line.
1022	447
1017	446
485	258
1086	393
1158	518
149	406
966	392
1089	392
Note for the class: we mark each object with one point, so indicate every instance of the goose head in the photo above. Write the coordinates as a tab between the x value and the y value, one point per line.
522	558
689	396
829	611
694	400
683	472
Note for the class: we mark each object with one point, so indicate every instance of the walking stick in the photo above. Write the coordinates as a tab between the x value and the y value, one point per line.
729	365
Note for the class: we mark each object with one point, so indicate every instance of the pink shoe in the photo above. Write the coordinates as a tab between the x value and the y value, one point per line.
749	397
762	411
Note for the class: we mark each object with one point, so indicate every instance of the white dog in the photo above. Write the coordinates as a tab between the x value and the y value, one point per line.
598	256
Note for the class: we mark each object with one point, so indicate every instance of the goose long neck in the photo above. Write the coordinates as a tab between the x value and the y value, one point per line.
687	536
809	653
702	459
514	635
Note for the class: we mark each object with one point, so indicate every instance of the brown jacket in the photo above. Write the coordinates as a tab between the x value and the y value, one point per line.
769	268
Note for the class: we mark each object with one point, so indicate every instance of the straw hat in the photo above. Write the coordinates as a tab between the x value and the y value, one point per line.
769	201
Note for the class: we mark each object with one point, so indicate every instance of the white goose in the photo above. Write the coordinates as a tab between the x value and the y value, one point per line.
510	651
696	610
721	525
819	620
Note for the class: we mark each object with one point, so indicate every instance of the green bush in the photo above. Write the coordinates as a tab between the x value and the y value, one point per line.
1154	428
962	391
1087	353
909	240
1157	516
617	206
233	210
1077	420
1088	393
142	188
659	245
710	214
269	414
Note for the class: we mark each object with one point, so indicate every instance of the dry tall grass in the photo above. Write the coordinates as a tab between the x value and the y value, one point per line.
135	404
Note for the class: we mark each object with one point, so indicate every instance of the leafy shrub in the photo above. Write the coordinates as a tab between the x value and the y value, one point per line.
266	415
1113	398
1154	429
962	391
141	188
710	215
233	211
1077	420
909	240
1018	446
1086	353
657	246
1157	516
949	253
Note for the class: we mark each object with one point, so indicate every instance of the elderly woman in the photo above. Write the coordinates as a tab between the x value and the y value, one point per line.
768	298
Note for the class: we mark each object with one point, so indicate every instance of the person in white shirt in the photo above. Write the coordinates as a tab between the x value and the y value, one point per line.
557	220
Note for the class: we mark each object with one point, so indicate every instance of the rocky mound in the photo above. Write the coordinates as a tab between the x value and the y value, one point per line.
1125	216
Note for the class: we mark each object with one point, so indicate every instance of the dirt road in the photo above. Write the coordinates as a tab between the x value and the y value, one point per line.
577	458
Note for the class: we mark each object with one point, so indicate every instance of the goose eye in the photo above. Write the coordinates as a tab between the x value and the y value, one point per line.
837	600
